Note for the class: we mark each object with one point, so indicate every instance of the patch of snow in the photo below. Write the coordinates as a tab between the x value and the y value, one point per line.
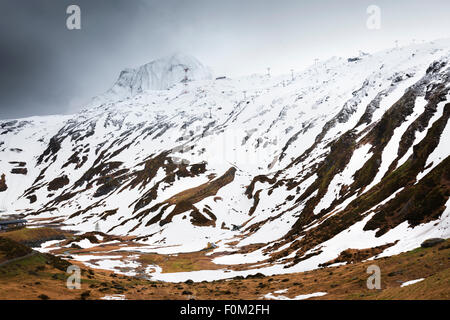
114	297
299	297
407	283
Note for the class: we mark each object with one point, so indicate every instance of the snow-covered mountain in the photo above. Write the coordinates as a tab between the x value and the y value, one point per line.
284	172
160	74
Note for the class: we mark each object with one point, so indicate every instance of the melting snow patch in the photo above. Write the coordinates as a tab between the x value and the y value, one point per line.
407	283
153	268
299	297
87	257
114	297
117	264
85	244
47	246
281	291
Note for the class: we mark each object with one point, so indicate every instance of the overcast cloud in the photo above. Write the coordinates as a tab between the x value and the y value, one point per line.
47	69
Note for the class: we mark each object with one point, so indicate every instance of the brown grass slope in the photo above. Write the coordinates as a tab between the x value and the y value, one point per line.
43	276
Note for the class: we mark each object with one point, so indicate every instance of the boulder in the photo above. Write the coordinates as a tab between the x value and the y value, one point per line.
431	242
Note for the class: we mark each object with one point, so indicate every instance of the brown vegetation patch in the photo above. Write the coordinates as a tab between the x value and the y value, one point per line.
58	183
32	198
35	236
200	220
3	186
23	171
185	199
357	255
10	249
182	262
18	163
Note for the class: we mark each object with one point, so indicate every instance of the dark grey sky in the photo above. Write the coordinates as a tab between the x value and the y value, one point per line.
47	69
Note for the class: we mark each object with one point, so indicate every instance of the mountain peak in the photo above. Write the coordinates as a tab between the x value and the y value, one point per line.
160	74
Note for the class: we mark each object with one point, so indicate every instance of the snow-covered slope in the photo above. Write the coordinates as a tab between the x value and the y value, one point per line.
350	153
